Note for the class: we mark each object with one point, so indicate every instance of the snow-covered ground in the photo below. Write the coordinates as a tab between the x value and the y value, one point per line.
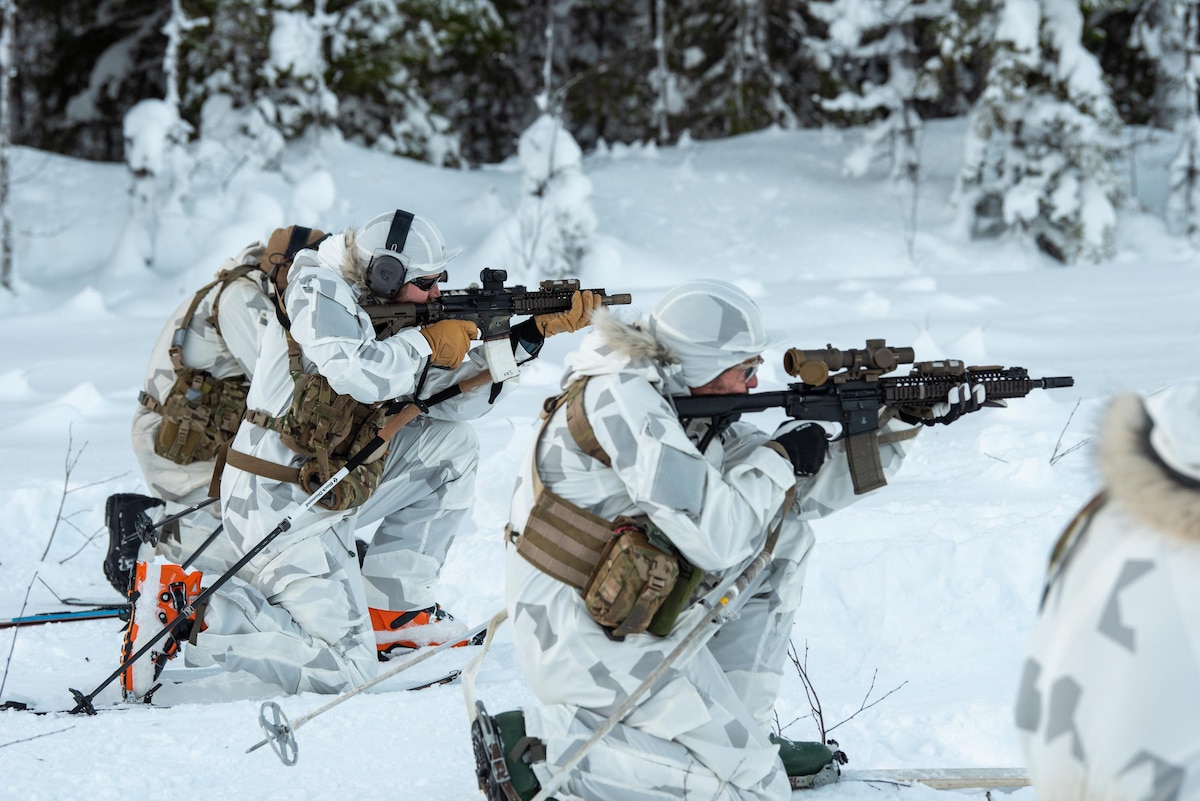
927	587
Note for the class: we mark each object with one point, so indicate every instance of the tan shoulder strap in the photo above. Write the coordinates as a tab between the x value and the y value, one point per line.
1069	540
577	423
176	348
225	278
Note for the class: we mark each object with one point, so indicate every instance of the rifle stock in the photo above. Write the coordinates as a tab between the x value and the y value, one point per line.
856	396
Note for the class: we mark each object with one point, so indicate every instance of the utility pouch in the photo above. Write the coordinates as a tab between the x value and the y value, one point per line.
351	491
319	420
360	483
200	413
631	581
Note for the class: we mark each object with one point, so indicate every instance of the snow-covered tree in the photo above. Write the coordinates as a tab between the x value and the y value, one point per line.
1169	32
728	80
1043	138
8	19
158	162
555	223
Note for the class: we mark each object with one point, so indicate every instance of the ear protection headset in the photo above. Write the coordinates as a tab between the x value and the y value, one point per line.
385	271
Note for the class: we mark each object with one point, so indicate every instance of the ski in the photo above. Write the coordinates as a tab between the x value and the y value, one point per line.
65	616
943	778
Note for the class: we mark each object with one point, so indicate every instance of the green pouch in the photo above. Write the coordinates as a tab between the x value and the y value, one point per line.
677	600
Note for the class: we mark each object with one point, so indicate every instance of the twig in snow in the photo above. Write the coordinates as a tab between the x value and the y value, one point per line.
13	646
1054	457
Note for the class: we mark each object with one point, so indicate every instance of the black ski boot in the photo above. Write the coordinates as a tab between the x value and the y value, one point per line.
503	771
128	527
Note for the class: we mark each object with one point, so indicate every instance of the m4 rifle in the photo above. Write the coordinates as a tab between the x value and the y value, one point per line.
491	306
851	387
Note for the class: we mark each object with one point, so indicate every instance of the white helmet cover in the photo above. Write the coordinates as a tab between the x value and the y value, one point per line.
420	246
1175	435
711	326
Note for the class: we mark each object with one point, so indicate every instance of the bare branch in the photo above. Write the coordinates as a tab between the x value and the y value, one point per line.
36	736
1054	457
12	646
81	547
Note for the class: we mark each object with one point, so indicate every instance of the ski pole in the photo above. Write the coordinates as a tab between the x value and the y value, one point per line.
281	733
700	633
407	412
207	542
184	513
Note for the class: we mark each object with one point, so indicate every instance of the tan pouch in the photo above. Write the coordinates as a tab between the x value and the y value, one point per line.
630	582
200	413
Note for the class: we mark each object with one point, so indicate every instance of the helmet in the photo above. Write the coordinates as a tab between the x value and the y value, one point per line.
400	247
1175	431
711	326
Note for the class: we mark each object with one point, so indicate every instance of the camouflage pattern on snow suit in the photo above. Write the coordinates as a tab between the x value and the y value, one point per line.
309	578
242	315
1107	707
703	732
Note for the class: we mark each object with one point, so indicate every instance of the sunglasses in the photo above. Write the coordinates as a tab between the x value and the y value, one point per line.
428	282
750	368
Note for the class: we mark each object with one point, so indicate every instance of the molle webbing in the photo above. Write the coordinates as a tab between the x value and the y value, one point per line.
561	539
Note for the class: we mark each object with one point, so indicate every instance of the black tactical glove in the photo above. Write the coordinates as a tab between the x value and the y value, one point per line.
805	444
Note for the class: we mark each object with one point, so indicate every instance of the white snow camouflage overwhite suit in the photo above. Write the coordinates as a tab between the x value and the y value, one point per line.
242	314
703	732
297	614
1107	707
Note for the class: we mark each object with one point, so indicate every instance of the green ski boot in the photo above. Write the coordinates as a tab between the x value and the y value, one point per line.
503	770
810	764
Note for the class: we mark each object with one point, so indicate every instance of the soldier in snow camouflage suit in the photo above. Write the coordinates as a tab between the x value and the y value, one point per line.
1108	708
229	352
297	615
703	732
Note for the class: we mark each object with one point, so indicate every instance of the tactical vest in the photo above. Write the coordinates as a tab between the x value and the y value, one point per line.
200	412
631	577
325	427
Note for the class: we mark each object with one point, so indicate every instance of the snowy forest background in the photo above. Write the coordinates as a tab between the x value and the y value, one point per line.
1057	93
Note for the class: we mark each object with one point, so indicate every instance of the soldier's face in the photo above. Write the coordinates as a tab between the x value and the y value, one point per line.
411	293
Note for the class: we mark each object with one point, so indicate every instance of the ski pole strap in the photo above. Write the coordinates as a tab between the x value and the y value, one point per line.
472	668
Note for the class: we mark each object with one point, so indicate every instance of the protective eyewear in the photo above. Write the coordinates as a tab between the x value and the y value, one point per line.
428	282
750	368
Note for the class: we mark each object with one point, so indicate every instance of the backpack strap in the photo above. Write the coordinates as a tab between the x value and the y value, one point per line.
225	278
175	350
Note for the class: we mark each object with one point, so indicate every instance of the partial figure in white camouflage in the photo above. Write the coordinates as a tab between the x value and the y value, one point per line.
300	615
221	339
703	732
1107	708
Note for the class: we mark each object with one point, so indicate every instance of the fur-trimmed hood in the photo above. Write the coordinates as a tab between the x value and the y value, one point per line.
614	346
1137	479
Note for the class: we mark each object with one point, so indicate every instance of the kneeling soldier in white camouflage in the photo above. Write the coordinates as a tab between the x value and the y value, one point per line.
613	461
297	615
192	402
1108	708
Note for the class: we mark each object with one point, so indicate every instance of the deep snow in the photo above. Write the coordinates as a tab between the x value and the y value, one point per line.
928	585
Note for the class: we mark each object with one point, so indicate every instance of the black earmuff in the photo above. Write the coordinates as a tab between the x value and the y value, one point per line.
385	272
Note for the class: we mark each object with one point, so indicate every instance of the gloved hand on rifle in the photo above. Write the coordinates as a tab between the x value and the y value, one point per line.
449	340
805	443
961	399
571	320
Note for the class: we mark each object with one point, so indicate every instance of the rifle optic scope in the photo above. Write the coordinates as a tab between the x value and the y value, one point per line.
813	366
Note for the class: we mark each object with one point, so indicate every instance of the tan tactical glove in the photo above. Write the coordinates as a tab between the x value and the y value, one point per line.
570	321
449	340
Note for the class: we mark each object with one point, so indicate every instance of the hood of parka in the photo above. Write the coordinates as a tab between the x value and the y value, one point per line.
1138	479
614	346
